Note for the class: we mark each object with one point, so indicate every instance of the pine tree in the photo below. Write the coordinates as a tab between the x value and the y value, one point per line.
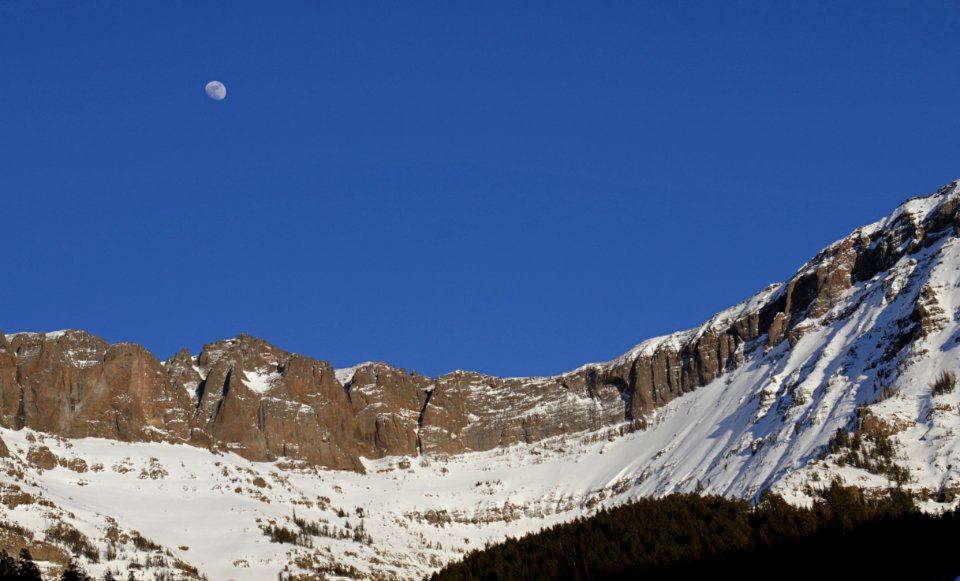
74	573
8	567
27	570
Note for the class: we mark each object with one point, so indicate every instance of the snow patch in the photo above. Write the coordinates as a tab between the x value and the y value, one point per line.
345	374
260	381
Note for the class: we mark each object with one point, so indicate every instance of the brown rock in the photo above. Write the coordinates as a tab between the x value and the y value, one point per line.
182	370
386	404
472	412
265	403
74	464
41	457
9	387
928	311
777	329
12	496
76	385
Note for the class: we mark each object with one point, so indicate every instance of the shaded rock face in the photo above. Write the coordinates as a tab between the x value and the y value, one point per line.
472	412
264	403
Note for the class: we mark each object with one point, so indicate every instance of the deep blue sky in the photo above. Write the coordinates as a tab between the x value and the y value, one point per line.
511	187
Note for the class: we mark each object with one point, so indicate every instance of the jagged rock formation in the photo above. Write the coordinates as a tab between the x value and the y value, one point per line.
264	403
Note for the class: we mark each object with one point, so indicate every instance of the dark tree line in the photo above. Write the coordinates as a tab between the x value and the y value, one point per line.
24	569
845	534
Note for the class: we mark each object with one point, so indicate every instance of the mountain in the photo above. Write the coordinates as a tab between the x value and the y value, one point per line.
197	464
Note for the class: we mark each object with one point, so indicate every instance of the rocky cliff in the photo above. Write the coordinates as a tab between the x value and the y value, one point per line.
264	403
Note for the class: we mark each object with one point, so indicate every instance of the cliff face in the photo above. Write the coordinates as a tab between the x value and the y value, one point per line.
469	411
76	385
264	403
386	404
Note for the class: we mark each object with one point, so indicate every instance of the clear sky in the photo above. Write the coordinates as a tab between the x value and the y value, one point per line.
511	187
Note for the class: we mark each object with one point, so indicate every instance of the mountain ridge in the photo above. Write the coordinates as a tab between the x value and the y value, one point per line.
828	376
399	413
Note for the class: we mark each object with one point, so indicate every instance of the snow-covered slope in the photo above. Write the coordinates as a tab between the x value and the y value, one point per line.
845	392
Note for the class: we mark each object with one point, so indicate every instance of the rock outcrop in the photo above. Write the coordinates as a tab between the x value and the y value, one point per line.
387	403
264	403
472	412
77	385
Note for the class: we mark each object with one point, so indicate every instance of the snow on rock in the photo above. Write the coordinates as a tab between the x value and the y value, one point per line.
345	374
261	381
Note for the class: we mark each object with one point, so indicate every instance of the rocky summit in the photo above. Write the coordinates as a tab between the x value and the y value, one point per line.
846	371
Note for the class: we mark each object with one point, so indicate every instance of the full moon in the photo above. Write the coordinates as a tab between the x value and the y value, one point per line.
216	90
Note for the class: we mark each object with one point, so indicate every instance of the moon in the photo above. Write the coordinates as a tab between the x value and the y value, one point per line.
216	90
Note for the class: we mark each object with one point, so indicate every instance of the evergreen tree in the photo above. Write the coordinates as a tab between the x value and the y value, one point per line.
74	573
694	537
27	570
8	566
